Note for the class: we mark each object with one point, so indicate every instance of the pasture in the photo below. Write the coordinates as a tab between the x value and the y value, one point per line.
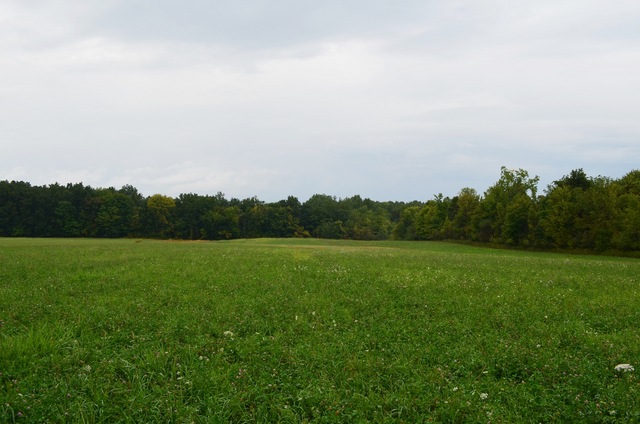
313	331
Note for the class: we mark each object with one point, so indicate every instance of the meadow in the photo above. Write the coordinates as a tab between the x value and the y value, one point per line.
292	330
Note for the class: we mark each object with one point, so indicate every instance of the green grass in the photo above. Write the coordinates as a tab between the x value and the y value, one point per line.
313	331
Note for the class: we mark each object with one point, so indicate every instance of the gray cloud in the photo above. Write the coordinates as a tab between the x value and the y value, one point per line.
257	24
392	101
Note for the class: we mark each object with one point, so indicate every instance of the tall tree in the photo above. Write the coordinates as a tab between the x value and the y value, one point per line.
222	222
323	211
433	222
468	204
627	234
14	208
369	224
559	214
406	228
599	216
159	216
193	218
505	207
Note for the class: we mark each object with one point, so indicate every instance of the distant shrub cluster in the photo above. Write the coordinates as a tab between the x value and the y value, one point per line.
575	212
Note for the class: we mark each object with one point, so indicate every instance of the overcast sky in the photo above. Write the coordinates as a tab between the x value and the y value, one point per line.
389	100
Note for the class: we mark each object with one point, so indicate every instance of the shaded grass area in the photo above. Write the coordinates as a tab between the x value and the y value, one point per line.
313	331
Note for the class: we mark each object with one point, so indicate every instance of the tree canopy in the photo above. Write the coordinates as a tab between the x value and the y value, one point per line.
576	211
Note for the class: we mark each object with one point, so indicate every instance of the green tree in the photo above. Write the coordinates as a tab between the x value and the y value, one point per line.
598	218
280	221
560	210
250	216
331	230
516	225
433	221
468	204
66	220
293	209
323	210
222	222
136	200
504	206
577	178
193	215
369	224
14	207
406	228
565	210
429	222
158	215
627	231
110	214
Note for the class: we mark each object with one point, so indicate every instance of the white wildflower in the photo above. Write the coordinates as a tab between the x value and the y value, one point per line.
228	333
483	396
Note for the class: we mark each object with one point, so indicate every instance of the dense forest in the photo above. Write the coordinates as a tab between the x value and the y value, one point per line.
574	212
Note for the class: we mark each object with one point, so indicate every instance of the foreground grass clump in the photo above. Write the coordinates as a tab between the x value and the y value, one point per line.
313	331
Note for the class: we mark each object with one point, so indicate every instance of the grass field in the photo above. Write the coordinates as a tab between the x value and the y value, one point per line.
313	331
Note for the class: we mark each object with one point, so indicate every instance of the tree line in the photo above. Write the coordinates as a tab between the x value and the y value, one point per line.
574	212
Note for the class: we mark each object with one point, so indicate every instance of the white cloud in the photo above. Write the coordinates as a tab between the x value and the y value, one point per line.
343	98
